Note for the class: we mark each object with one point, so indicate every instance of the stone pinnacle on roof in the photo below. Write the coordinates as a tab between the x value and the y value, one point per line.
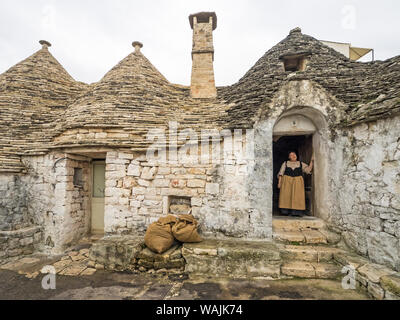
295	30
137	45
45	44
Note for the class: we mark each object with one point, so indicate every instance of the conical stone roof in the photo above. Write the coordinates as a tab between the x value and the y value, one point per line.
33	93
135	96
39	101
368	90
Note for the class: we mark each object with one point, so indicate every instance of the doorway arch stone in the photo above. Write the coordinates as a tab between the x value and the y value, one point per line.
309	120
316	110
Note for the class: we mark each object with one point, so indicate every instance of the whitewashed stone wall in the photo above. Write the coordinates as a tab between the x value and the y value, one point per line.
76	199
366	183
46	197
138	192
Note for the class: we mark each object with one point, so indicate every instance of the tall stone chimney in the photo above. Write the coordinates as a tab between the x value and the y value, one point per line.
203	83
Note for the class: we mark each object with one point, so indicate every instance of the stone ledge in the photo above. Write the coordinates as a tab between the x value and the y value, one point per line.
20	232
129	253
19	242
233	259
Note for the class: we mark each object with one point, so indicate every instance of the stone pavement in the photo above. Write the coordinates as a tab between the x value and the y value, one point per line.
80	277
107	285
73	263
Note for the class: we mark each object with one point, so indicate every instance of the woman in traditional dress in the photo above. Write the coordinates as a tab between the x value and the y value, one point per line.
292	200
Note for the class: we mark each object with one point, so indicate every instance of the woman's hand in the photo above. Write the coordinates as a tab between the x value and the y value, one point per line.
279	182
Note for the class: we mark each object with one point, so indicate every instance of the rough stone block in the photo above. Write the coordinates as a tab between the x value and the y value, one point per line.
197	202
391	283
26	241
161	183
117	250
148	173
235	259
391	296
133	170
196	183
169	264
314	237
212	188
129	182
374	272
297	224
350	259
327	270
303	253
289	236
376	291
299	269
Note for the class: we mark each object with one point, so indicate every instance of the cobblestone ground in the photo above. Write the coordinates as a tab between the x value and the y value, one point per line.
22	279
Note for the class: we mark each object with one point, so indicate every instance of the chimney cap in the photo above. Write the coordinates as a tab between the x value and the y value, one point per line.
45	44
204	17
137	45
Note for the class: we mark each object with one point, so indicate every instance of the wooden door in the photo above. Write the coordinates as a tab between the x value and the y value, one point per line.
99	168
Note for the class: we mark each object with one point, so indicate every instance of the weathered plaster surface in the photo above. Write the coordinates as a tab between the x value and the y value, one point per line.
366	184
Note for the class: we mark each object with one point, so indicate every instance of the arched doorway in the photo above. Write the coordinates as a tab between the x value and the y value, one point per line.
302	144
301	130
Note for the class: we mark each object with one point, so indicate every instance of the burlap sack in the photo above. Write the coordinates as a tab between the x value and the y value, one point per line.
158	237
185	230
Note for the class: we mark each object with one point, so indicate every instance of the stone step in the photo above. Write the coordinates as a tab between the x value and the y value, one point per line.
312	270
304	236
308	253
297	223
233	259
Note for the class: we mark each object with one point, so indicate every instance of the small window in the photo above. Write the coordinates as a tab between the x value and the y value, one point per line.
294	62
179	205
78	177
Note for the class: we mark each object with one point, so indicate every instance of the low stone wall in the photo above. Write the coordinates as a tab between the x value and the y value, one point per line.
19	242
380	282
129	253
14	203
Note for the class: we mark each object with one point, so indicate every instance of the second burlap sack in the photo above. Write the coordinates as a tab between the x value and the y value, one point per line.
159	236
185	230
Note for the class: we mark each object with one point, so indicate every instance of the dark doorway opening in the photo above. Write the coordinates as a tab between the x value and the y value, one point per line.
302	144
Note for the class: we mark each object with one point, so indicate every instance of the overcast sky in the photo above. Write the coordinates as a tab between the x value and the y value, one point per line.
89	37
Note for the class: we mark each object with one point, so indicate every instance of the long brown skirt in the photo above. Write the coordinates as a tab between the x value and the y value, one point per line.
292	193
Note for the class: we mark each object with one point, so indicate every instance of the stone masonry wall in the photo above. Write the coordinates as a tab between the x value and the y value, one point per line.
14	201
46	197
77	199
138	192
366	182
20	242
